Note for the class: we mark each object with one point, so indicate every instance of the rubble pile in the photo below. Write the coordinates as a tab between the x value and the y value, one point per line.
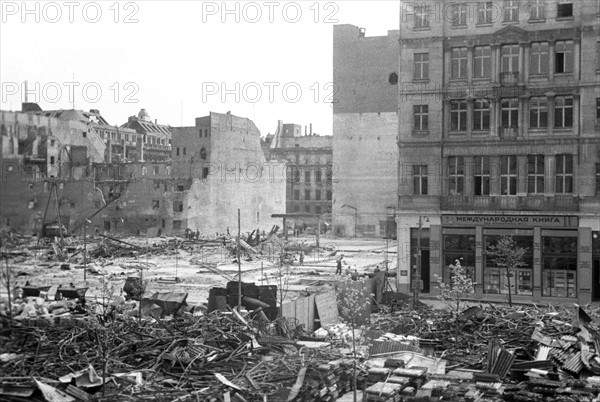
130	359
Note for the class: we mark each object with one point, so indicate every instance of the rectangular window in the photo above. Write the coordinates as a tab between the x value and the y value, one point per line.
180	188
459	14
508	175
564	10
296	175
510	113
509	59
296	208
307	176
482	58
318	210
420	179
484	12
176	225
177	206
458	115
481	174
538	112
535	174
156	185
421	66
184	150
564	174
563	56
559	266
539	58
317	195
329	195
536	10
177	151
458	62
495	280
456	175
421	17
318	175
52	160
307	195
598	112
307	209
296	195
563	112
481	115
155	204
156	169
421	117
511	10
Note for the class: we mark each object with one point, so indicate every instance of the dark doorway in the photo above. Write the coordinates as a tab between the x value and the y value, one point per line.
596	280
425	270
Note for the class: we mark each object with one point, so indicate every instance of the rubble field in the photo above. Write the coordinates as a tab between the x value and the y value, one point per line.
66	338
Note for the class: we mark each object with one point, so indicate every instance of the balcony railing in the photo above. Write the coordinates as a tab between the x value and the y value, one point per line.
509	79
511	203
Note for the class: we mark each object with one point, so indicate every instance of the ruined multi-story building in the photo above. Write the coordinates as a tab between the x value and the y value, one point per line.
69	180
365	130
309	166
154	139
499	104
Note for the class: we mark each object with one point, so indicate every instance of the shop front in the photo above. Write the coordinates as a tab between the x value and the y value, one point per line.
557	265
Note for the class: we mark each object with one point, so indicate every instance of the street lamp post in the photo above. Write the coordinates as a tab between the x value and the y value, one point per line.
417	274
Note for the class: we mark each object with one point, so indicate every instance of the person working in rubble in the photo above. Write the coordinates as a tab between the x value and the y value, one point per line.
339	265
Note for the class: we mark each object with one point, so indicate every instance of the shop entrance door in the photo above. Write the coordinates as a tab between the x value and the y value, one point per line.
596	279
425	270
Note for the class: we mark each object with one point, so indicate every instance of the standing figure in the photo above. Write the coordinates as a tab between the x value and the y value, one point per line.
339	265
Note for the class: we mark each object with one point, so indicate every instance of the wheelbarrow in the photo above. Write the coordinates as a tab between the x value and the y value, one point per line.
34	291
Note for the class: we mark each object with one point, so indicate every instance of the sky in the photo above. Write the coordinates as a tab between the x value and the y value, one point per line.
265	60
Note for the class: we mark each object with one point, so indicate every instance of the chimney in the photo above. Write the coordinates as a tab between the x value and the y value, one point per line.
310	128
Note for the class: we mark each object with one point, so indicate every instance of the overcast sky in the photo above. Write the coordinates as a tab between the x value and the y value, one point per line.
177	59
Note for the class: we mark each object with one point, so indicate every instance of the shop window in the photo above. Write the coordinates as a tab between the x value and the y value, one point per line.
420	179
559	266
495	280
459	247
456	175
564	174
535	174
482	175
508	175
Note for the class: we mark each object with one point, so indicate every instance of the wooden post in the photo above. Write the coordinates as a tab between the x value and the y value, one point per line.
84	251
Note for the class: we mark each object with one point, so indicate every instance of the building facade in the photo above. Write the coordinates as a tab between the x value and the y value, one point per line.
153	140
308	159
501	102
365	132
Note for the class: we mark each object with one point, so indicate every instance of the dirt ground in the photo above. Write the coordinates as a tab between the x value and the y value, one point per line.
198	271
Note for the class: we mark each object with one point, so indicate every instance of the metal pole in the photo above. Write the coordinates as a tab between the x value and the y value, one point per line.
84	251
239	263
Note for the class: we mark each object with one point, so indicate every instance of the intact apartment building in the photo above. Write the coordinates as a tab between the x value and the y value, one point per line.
309	168
153	139
365	133
499	104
